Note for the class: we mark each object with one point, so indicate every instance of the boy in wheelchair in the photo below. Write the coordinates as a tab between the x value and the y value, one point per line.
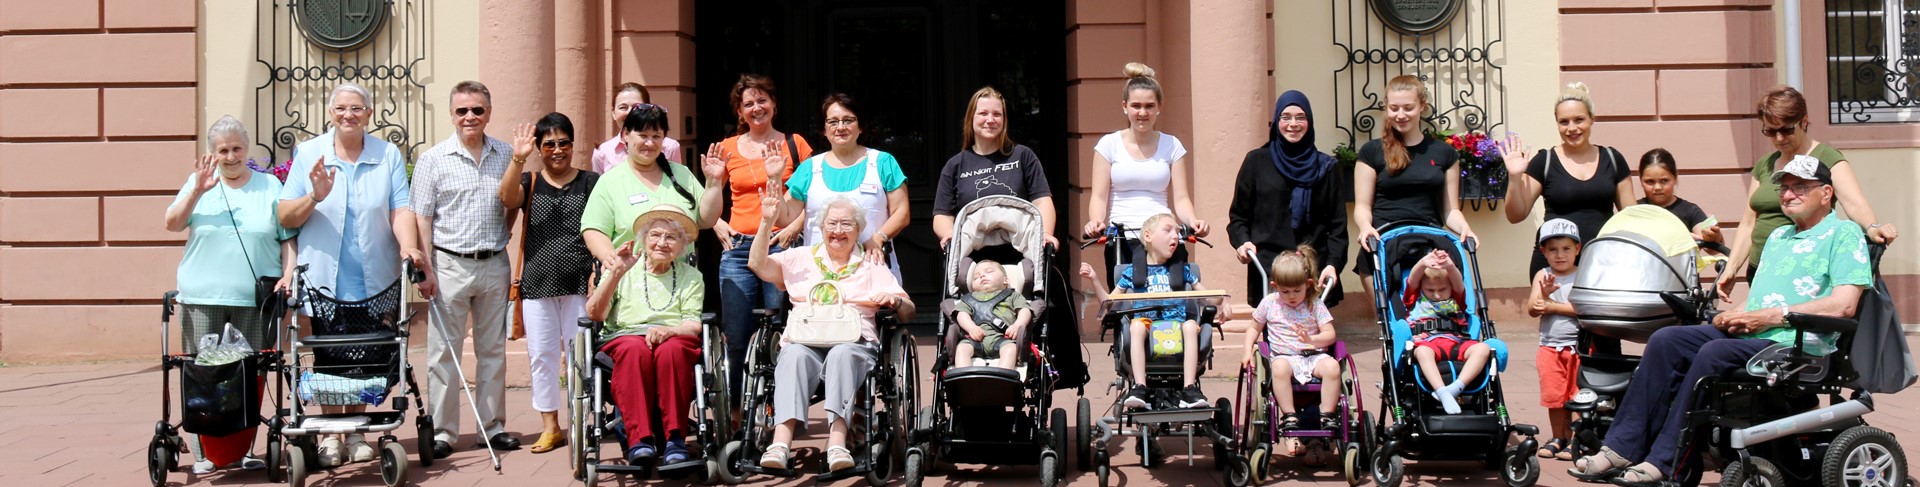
1433	293
1172	328
993	319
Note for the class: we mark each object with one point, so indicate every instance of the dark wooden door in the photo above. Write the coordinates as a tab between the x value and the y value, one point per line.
911	65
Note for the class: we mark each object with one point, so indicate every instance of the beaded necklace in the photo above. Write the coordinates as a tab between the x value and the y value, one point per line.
673	288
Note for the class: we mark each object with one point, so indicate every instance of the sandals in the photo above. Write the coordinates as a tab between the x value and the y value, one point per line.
1330	421
549	442
1552	448
1640	475
1599	467
1290	422
776	456
838	458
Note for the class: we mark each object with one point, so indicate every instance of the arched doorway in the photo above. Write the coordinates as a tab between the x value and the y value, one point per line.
912	65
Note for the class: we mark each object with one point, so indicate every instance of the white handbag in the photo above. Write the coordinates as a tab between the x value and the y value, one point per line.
823	325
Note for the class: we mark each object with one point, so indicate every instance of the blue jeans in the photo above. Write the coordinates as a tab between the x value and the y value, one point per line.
740	292
1651	415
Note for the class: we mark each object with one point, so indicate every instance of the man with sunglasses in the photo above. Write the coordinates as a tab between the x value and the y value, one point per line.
1816	265
463	229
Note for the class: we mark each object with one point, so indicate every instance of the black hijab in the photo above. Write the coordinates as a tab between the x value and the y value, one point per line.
1300	163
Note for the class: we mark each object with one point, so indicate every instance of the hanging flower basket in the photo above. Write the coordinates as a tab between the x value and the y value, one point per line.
1483	174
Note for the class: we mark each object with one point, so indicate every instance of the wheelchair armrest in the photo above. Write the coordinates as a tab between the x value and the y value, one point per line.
590	324
1824	324
709	319
885	318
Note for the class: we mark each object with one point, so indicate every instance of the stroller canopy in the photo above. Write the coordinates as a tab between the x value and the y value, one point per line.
994	221
1641	253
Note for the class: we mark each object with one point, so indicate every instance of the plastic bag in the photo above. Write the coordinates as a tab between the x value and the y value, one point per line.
222	348
333	390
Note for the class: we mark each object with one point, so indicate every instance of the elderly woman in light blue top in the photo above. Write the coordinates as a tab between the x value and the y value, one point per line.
233	239
347	193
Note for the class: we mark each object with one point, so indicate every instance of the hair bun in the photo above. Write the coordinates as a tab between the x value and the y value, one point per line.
1579	86
1138	70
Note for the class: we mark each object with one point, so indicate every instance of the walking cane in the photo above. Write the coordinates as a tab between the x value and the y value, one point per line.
460	375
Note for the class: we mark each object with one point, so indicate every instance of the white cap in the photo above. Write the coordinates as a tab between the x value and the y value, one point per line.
1559	227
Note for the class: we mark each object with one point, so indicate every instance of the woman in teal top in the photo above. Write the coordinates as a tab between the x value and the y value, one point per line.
1783	121
234	239
870	177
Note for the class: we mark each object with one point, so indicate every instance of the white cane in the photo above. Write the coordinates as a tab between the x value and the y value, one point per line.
460	375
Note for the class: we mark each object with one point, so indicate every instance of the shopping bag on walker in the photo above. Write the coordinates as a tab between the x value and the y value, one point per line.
1164	337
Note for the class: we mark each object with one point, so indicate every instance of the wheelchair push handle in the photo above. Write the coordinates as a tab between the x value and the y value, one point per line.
1187	235
1112	232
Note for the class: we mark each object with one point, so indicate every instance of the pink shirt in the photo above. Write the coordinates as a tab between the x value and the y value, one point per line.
613	151
800	273
1288	327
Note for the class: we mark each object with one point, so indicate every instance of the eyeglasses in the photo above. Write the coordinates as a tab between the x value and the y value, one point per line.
476	111
356	109
1799	189
837	225
1787	131
842	122
557	144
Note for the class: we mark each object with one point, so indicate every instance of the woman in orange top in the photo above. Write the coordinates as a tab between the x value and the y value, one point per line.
751	155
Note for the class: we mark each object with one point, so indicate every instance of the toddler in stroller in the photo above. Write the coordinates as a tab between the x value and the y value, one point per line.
994	317
1171	326
1434	292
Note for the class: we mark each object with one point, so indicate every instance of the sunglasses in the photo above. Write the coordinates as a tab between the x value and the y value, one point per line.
476	111
1800	189
557	144
1782	131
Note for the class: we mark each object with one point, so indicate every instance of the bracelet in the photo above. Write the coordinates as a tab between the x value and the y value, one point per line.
1876	225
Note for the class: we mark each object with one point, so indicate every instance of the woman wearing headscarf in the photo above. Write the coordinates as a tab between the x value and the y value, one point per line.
1289	193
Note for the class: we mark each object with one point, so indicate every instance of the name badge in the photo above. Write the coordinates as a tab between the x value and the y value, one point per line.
637	198
870	188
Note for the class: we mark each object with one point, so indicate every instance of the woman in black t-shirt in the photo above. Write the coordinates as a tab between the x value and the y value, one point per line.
989	164
1404	175
556	264
1581	182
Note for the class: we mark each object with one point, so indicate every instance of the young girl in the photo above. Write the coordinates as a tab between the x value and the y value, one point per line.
1296	327
1660	178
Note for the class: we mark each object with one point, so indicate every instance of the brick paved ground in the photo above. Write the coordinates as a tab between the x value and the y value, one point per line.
88	425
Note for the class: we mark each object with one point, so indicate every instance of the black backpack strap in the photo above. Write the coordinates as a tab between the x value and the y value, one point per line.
982	309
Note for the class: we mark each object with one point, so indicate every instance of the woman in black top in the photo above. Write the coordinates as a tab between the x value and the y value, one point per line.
1581	182
553	279
1660	177
1289	193
989	164
1404	175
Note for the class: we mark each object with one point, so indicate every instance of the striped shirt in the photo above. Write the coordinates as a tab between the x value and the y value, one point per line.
461	196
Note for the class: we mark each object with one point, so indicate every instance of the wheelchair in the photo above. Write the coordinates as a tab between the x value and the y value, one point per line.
876	431
593	419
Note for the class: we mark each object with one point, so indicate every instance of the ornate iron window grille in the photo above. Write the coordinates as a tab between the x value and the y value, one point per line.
1872	49
291	105
1461	65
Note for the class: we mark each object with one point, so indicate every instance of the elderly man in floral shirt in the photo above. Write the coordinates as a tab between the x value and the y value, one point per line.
1817	266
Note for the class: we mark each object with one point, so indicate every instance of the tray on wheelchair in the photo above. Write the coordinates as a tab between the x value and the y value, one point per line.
1135	303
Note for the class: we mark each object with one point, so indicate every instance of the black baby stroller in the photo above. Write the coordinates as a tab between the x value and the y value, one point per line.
356	354
1164	416
219	401
1638	276
1412	424
592	417
981	413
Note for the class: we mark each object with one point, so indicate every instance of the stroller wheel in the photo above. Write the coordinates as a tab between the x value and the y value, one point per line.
1239	473
296	466
916	468
160	458
1083	431
592	475
393	463
1388	468
1100	471
1049	468
1522	469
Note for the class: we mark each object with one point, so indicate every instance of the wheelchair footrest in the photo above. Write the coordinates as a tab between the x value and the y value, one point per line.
1441	424
1186	415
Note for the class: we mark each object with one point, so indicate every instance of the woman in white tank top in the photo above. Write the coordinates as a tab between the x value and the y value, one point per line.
1138	171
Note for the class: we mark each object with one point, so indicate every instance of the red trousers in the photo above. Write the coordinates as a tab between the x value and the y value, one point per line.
653	383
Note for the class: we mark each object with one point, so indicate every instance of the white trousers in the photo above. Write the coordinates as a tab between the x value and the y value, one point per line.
552	323
475	288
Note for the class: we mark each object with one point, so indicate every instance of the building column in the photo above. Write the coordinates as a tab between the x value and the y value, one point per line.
516	62
576	74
